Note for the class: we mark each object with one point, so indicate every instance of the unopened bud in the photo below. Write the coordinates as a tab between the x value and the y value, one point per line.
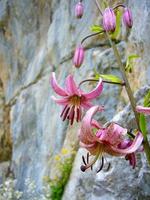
78	56
79	9
109	20
127	18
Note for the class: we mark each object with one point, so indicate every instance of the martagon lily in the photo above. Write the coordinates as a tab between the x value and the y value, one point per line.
74	100
112	140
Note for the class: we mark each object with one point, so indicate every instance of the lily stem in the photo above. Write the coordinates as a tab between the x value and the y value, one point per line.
128	89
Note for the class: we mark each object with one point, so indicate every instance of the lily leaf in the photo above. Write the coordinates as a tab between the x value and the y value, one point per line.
96	28
129	63
143	124
109	77
147	99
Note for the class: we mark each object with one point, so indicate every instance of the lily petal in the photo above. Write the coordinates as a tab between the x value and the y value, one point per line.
132	148
60	101
144	110
60	91
71	86
86	135
96	92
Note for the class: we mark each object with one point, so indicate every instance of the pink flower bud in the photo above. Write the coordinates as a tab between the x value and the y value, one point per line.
109	20
127	17
79	8
78	56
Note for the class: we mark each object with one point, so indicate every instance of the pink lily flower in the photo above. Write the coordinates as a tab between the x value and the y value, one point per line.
73	98
110	140
144	110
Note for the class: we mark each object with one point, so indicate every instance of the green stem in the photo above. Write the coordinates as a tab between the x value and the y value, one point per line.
128	89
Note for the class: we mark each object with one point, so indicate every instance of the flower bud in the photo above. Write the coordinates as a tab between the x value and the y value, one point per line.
79	8
127	18
109	20
78	56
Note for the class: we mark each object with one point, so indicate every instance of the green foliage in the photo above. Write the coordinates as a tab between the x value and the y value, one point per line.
64	165
143	124
96	28
142	120
109	77
147	99
130	62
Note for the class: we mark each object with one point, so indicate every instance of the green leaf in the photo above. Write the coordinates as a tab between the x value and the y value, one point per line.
130	63
116	34
143	125
96	28
147	99
109	77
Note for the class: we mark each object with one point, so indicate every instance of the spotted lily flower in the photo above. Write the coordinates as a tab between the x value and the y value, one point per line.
74	100
144	110
110	140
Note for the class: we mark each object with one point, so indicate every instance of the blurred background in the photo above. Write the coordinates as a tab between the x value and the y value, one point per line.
39	154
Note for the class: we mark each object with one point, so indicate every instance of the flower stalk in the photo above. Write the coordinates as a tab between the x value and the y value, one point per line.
128	89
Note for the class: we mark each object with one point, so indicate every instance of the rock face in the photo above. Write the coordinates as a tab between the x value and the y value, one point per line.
38	37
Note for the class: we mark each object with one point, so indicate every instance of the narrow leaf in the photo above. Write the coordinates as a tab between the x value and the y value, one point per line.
147	99
130	63
143	125
109	77
96	28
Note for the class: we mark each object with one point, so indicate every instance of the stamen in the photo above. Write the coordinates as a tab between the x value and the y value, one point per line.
65	114
87	158
85	167
63	110
109	165
84	160
78	114
102	165
71	115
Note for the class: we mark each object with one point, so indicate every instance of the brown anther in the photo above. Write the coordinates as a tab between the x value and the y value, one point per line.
102	165
84	160
83	168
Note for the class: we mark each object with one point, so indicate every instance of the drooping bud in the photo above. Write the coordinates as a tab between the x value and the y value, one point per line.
79	9
127	18
109	20
78	56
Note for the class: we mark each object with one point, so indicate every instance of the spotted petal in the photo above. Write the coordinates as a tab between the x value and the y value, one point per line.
96	92
144	110
60	91
71	86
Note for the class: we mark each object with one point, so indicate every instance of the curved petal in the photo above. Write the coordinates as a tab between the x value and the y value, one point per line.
132	148
86	135
86	145
96	92
71	86
144	110
60	91
60	101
